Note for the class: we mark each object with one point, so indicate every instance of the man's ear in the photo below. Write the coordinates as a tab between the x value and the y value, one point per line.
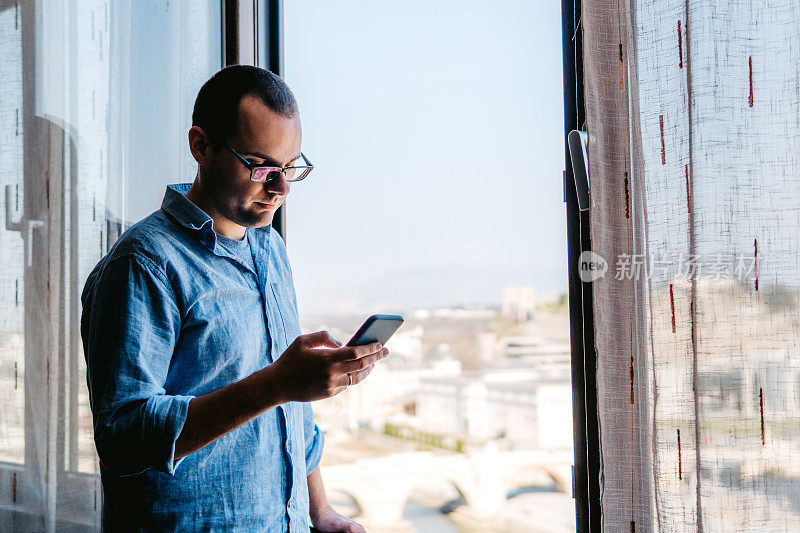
200	145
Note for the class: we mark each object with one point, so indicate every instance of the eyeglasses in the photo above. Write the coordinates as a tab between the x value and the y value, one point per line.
264	173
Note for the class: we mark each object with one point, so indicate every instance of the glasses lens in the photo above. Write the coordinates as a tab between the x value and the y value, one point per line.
297	173
265	174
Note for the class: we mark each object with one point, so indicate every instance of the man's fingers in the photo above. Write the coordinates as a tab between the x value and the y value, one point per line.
352	378
357	376
354	365
352	353
355	528
368	349
319	338
361	375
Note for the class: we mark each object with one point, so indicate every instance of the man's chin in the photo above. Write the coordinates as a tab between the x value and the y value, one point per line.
255	219
264	221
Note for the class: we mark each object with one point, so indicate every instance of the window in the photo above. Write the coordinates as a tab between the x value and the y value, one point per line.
437	194
96	102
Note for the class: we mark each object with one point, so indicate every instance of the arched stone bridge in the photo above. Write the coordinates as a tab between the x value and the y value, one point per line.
381	486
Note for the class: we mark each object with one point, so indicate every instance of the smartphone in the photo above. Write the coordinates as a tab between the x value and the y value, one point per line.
377	328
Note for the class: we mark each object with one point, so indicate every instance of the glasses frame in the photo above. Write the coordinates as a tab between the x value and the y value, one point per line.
307	168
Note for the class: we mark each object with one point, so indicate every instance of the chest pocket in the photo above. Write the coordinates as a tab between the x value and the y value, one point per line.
223	338
289	324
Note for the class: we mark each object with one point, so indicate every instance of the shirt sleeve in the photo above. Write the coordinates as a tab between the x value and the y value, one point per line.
315	439
129	326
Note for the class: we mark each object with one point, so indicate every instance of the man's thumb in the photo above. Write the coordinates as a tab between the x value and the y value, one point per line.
322	338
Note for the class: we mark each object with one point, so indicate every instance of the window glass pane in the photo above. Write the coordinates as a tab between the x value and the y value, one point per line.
95	105
12	286
436	134
143	70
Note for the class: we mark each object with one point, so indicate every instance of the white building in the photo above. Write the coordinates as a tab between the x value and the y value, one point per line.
519	303
407	343
519	403
388	393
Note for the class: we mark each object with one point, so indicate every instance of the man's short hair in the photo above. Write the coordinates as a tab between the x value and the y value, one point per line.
216	108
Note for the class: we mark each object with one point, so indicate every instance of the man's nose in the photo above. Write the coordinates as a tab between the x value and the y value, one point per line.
278	186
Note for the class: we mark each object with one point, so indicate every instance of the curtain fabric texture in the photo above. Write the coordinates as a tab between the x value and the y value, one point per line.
693	111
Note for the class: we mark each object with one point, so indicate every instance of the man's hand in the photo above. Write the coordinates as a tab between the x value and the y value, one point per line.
306	371
316	366
330	521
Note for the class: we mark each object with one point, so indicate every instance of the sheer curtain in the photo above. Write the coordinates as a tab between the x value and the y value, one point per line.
95	104
693	111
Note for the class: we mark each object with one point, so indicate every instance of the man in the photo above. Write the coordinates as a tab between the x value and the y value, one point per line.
199	379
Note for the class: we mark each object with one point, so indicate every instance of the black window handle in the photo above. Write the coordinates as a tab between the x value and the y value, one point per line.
578	141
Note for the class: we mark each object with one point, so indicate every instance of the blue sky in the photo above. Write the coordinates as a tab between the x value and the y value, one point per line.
436	129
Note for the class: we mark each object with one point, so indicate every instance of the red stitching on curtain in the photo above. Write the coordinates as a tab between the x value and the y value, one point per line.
688	190
680	462
14	487
16	374
680	46
633	397
627	198
761	406
633	526
621	69
750	62
663	148
693	287
672	306
755	259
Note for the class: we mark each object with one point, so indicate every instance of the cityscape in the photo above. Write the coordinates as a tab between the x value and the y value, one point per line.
467	426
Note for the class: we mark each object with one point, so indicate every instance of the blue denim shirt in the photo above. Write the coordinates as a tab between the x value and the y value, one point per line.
169	315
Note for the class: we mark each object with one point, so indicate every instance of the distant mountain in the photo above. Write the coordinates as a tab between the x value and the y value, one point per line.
426	286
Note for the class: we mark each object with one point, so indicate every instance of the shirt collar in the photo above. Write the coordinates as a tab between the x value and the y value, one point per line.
182	209
188	215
